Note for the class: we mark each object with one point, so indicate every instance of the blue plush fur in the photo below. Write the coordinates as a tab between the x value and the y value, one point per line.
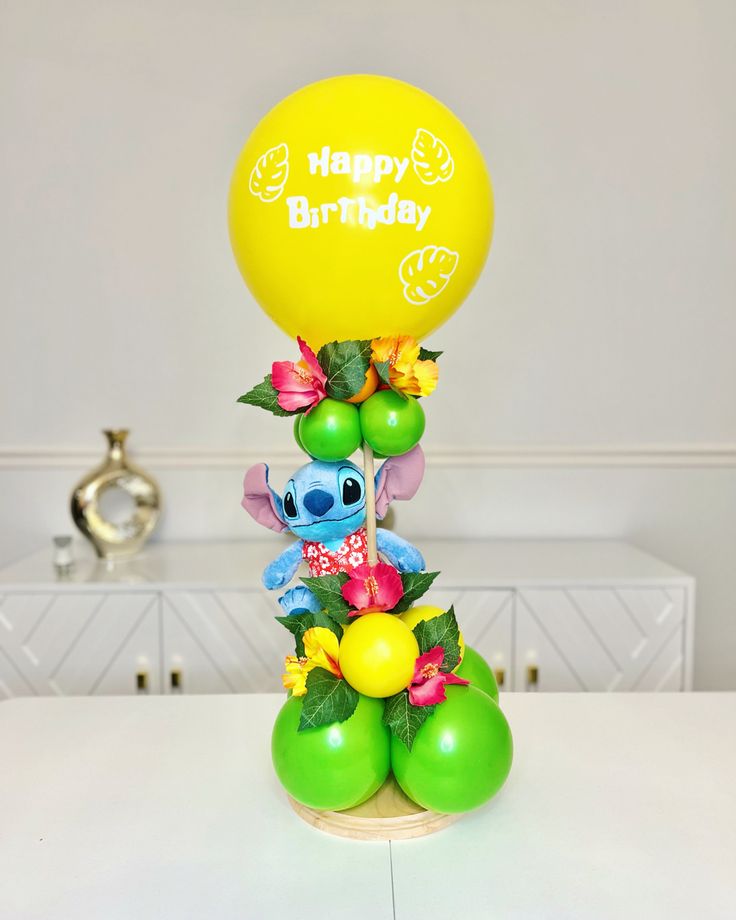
325	502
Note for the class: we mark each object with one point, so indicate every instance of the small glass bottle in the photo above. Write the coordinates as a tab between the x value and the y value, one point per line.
63	557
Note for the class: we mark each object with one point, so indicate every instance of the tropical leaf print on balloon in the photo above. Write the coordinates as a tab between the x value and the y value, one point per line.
268	177
432	160
425	272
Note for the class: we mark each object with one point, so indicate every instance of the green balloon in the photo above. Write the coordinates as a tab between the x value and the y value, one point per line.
391	424
335	766
461	755
331	431
376	455
297	436
476	669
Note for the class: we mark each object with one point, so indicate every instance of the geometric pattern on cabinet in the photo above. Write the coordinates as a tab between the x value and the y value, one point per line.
193	617
77	644
223	642
601	639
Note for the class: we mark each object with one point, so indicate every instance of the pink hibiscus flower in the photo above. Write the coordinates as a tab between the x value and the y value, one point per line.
301	384
372	588
428	684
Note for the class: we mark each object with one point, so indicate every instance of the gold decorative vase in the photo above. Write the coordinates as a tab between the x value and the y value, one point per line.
116	505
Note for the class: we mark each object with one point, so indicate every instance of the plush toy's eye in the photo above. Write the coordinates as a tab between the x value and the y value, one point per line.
351	492
289	505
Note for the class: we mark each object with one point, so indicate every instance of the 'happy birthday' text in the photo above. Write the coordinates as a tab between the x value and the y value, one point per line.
357	210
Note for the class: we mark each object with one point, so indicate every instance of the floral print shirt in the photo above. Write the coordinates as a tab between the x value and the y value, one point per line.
323	561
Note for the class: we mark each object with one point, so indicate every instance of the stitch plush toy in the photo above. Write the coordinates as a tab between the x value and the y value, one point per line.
324	506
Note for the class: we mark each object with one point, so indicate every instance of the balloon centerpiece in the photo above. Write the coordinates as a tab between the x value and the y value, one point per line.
360	217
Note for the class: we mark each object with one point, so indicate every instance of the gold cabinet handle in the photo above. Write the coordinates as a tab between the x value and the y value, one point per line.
500	675
175	680
141	682
532	677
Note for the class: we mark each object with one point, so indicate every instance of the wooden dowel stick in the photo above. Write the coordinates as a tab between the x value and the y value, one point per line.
370	503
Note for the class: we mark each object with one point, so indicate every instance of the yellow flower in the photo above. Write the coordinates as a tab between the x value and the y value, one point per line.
295	678
406	372
402	376
320	651
425	375
396	349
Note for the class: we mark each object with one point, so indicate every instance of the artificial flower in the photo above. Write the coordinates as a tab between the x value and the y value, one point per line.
396	349
406	371
299	385
426	374
320	651
428	684
295	677
372	588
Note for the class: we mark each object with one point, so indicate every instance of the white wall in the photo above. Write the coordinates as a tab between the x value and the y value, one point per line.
591	375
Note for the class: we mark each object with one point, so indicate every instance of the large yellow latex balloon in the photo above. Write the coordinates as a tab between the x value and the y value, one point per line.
360	206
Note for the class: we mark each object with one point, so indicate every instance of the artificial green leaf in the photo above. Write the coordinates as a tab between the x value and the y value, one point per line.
299	623
265	396
329	699
426	355
415	585
341	617
440	630
327	590
382	369
384	375
403	719
345	365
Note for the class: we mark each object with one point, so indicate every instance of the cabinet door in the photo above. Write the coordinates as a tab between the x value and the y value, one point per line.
77	644
485	620
600	639
223	642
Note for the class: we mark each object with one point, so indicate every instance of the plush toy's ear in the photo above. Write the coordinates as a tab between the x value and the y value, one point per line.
399	478
260	500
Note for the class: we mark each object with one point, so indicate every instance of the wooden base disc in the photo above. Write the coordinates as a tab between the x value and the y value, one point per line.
387	815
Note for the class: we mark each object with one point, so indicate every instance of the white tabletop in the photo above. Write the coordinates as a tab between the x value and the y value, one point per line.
618	806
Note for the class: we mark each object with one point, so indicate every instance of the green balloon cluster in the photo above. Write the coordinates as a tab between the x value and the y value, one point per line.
335	766
461	755
333	430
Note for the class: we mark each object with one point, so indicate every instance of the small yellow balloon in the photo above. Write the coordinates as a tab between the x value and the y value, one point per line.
377	655
360	206
415	615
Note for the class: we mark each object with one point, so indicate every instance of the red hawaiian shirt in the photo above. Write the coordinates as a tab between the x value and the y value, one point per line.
323	561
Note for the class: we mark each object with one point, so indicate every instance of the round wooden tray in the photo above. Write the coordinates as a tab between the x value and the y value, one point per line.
387	815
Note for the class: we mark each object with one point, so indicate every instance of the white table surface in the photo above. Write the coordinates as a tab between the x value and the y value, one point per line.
618	806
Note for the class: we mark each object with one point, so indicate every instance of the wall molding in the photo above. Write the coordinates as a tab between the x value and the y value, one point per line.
566	455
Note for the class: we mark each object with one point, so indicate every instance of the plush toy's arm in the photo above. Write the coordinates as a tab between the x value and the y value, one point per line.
401	554
283	568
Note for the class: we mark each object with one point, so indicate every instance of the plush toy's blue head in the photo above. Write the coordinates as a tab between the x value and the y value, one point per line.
324	501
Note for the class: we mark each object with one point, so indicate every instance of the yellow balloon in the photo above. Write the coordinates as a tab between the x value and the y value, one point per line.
415	615
377	655
360	206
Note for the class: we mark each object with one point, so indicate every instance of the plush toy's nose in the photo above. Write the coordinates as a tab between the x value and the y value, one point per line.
318	502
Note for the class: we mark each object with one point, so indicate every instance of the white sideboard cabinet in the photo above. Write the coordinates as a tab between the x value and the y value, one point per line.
193	618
